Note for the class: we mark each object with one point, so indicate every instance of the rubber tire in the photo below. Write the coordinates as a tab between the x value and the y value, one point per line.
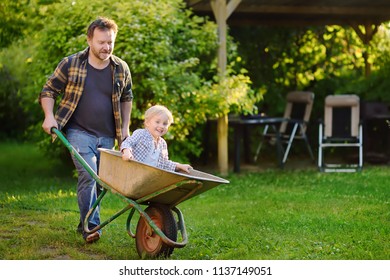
151	245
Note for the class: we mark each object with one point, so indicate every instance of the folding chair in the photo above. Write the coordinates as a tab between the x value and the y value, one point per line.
341	128
293	127
374	116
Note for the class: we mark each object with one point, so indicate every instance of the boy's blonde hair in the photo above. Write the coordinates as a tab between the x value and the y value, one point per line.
158	110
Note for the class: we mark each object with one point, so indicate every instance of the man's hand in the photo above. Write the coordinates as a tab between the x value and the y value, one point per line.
48	123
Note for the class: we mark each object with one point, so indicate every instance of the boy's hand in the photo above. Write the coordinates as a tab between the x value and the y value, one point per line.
127	155
183	167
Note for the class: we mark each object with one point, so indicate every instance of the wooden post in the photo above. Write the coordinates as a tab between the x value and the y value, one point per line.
219	8
221	12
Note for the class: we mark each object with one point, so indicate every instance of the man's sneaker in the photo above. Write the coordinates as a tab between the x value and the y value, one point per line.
93	237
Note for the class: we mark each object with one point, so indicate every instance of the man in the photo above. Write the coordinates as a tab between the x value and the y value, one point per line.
95	108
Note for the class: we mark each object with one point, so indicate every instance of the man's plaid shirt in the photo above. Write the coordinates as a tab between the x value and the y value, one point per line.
68	80
141	145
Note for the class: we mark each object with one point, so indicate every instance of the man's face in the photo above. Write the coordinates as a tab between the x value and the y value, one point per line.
102	43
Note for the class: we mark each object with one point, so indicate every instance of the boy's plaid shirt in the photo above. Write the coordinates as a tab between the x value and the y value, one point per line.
141	145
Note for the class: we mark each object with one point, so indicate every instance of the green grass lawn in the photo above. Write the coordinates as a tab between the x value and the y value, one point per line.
268	215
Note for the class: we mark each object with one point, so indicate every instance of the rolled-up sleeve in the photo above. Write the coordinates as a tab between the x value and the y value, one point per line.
56	83
127	93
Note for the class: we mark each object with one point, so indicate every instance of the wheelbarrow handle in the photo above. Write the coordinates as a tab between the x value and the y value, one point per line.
54	130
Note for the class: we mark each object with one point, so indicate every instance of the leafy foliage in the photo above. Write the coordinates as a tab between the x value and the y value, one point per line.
171	54
16	20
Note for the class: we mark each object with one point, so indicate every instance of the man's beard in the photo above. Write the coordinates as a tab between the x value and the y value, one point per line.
101	55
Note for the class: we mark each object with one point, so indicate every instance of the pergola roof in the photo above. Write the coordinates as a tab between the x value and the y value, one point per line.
302	12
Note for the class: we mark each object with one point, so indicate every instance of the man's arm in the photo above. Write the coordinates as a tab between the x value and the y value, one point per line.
51	90
125	115
47	105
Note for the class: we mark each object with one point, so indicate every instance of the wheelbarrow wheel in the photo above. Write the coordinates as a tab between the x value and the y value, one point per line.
148	242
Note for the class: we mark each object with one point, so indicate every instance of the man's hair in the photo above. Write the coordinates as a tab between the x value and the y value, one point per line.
158	110
102	23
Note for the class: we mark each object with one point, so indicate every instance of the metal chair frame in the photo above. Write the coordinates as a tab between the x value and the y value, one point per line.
297	123
333	135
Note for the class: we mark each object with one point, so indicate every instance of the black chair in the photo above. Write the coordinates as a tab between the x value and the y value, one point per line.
297	116
374	115
341	128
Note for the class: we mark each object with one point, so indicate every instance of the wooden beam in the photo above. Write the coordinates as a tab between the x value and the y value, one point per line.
299	12
285	21
308	8
313	10
231	7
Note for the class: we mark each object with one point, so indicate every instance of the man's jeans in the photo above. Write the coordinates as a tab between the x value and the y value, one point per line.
87	146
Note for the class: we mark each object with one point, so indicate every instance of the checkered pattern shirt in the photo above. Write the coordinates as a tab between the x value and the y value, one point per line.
141	145
68	80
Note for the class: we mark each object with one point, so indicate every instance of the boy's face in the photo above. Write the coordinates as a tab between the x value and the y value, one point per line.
157	125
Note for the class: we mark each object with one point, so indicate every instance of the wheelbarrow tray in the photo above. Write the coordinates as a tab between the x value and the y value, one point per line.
137	180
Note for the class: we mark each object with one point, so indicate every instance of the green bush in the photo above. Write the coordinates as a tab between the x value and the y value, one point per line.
170	51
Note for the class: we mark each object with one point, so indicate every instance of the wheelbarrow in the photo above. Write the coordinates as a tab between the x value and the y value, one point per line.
153	192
